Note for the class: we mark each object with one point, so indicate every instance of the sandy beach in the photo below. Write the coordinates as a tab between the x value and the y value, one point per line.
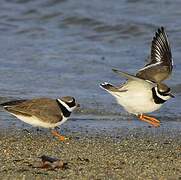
135	153
55	48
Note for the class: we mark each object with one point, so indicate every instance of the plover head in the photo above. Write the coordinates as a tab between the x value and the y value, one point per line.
161	93
68	102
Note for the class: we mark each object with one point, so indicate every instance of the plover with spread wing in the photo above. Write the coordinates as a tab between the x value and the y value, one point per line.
145	92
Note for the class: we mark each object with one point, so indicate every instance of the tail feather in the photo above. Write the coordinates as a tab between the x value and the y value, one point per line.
110	87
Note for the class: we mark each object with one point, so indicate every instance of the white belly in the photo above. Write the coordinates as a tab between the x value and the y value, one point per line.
34	121
138	105
137	99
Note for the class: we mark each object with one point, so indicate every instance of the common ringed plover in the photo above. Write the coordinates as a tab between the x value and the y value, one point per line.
43	112
145	92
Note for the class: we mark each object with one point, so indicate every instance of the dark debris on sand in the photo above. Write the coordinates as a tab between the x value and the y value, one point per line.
133	156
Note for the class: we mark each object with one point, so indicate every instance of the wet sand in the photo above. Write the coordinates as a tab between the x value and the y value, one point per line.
118	153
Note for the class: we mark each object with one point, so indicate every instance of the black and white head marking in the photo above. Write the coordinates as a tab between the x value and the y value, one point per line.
71	103
66	110
160	97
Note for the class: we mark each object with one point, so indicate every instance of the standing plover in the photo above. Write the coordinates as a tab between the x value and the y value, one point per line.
43	112
145	92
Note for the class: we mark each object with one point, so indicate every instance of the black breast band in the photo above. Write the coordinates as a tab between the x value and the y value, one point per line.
157	99
65	112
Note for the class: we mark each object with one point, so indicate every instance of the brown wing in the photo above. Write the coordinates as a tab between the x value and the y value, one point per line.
160	66
43	108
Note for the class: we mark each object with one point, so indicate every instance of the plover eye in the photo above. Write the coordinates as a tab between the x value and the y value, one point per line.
71	100
164	91
71	103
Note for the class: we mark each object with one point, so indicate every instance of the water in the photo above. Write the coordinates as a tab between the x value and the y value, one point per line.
52	48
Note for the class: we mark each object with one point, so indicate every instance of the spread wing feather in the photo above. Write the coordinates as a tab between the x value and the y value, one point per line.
160	66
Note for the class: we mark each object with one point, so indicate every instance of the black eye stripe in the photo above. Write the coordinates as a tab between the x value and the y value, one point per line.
71	104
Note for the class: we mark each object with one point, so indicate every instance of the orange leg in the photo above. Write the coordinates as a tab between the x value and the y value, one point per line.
153	121
57	134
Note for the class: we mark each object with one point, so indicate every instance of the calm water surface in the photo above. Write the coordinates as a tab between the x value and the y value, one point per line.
54	48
